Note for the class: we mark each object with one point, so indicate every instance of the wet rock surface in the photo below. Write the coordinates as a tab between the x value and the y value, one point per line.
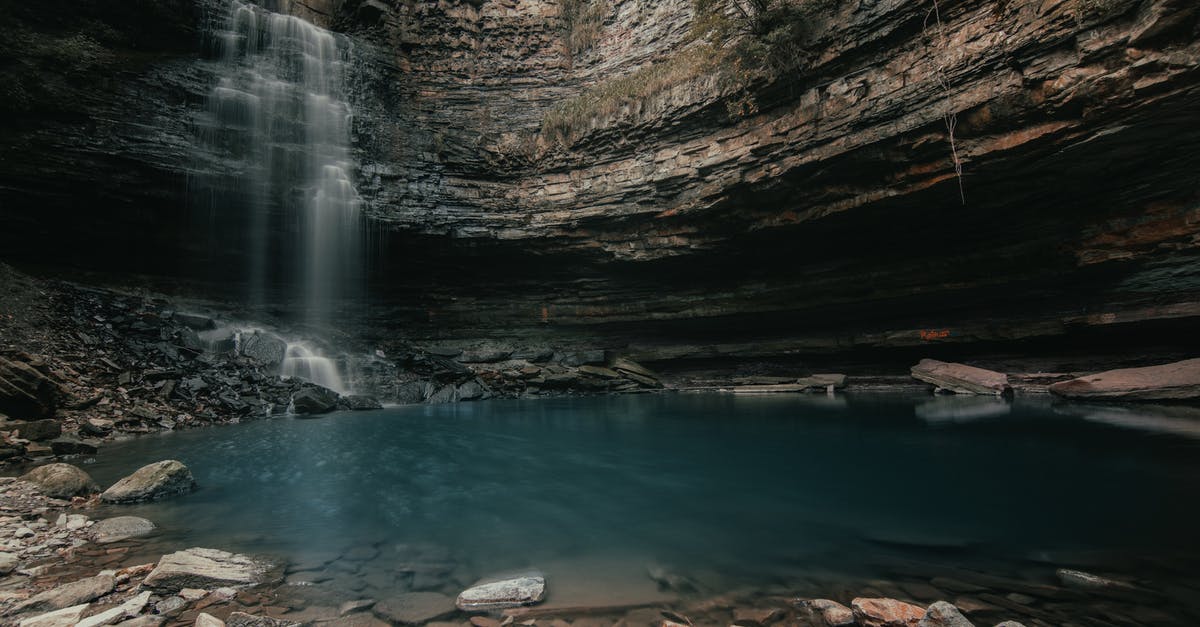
152	482
1168	382
504	593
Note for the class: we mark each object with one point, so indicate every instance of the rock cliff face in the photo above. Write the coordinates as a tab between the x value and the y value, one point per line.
830	222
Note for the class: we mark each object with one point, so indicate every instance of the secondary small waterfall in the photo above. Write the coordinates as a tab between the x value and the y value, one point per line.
278	123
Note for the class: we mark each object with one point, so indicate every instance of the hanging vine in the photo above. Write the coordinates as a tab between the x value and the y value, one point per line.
949	116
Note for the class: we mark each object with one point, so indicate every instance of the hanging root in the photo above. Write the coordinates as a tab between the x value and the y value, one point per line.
950	116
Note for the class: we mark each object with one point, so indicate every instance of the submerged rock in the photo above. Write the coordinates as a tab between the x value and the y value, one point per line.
1175	381
943	614
414	608
961	378
242	619
886	613
152	482
506	593
314	400
61	481
69	445
121	528
204	568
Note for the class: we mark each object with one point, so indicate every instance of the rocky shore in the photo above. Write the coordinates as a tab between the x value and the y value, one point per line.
62	565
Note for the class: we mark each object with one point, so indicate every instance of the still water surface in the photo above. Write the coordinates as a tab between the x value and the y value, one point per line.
718	490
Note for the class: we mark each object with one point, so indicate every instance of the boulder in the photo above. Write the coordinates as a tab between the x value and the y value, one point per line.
67	595
414	608
8	563
314	400
505	593
943	614
266	348
66	617
1009	623
886	613
36	430
25	392
121	528
61	481
1175	381
358	402
833	613
152	482
961	378
203	568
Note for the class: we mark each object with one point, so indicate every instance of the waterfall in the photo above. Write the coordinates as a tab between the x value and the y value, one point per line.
277	124
305	362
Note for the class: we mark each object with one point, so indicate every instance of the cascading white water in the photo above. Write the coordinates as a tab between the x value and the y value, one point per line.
280	122
305	362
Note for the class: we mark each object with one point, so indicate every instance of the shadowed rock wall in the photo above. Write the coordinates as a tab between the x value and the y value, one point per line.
827	223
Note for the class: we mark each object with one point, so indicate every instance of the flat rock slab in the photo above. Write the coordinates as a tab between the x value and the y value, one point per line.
886	613
151	483
961	378
242	619
506	593
66	617
1175	381
414	608
204	568
66	595
121	528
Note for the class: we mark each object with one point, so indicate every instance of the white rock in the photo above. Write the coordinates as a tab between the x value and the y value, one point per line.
202	568
514	592
208	620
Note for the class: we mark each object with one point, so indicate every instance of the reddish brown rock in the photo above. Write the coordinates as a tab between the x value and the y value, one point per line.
886	613
1175	381
833	613
961	378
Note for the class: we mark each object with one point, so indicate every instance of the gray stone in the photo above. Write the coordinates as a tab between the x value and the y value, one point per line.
8	563
66	617
242	619
469	391
314	400
61	481
266	348
833	613
581	358
943	614
1009	623
413	608
505	593
203	568
128	609
121	528
144	621
208	620
961	378
81	591
152	482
